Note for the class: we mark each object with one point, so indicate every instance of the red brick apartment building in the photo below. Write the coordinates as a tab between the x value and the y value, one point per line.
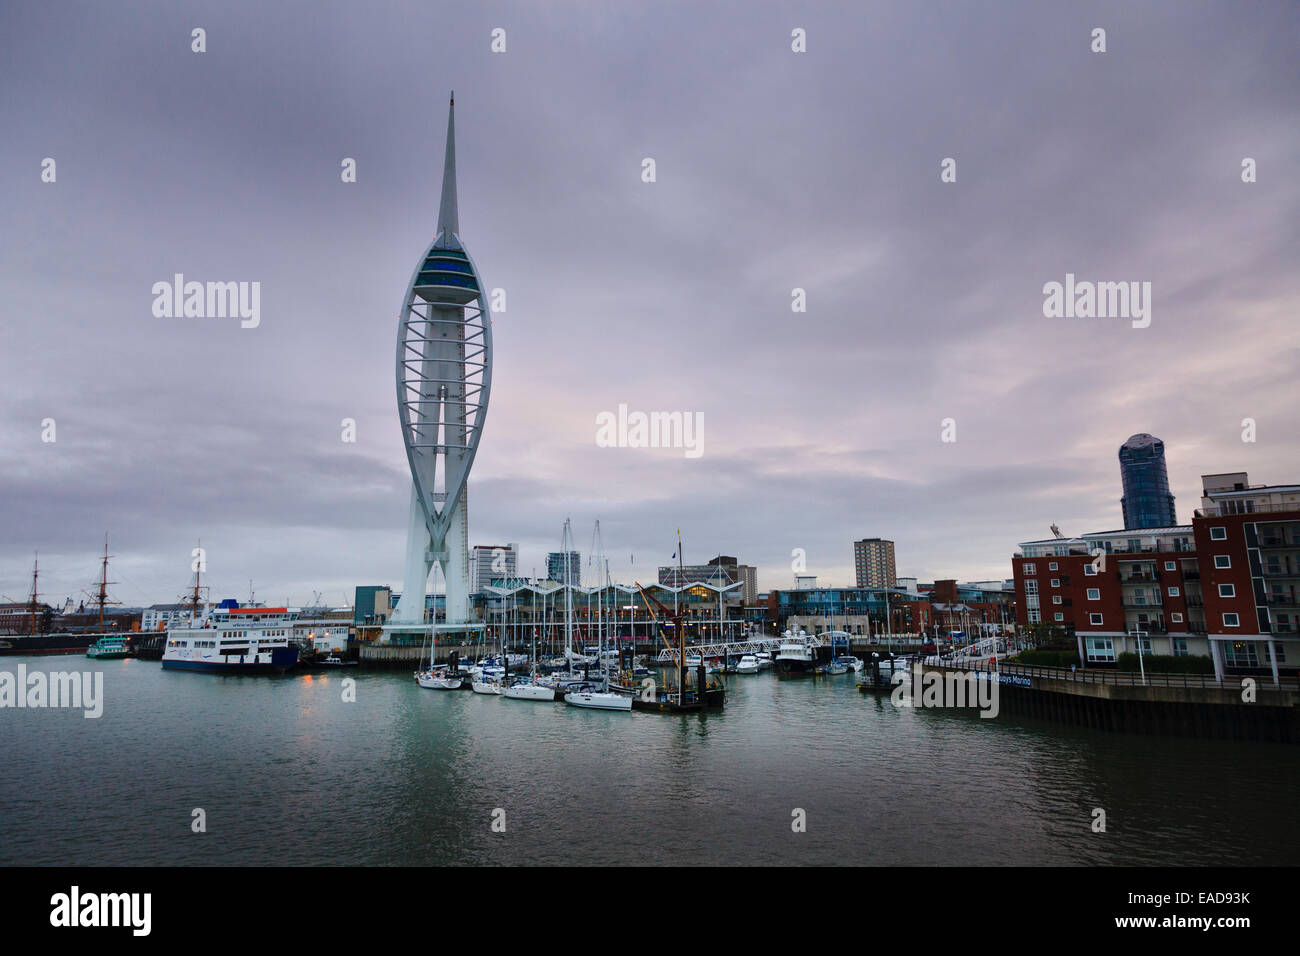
1226	586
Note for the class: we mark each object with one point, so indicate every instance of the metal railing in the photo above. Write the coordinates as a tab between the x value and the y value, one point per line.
1086	675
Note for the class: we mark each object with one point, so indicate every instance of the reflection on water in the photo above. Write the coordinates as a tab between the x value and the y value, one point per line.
289	773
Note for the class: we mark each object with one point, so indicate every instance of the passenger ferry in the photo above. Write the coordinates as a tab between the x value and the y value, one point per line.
109	646
236	640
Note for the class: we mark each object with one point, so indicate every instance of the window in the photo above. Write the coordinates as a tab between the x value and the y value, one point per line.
1031	587
1231	620
1035	615
1173	592
1218	534
1030	567
1100	649
1171	566
1095	619
1241	654
1089	571
1179	645
1176	617
1051	566
1060	616
1227	590
1094	594
1056	599
1222	561
1056	582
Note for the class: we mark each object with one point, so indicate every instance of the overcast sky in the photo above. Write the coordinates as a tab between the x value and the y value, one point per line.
775	170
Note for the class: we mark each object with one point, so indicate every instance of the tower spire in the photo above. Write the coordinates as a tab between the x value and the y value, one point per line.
448	219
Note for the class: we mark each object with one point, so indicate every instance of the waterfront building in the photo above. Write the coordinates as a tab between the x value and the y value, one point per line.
710	612
723	569
372	604
973	609
857	610
1147	502
24	619
489	561
161	617
444	377
873	562
1225	586
321	629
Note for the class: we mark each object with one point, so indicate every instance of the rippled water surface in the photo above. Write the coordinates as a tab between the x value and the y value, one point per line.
289	773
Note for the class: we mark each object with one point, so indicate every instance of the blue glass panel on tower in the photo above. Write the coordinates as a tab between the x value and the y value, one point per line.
1147	502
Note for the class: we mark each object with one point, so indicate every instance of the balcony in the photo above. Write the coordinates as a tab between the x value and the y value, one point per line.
1281	572
1225	509
1143	605
1139	577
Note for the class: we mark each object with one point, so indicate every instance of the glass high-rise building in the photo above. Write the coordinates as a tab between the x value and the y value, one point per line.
1147	502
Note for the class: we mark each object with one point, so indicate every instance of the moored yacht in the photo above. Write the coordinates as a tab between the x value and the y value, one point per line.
796	655
438	680
598	700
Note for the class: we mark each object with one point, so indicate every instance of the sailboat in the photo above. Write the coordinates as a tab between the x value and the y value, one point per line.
437	678
528	689
603	699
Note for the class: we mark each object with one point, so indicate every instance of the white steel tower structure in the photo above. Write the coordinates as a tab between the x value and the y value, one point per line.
444	375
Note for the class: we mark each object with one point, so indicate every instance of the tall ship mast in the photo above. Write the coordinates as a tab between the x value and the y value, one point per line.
102	598
198	592
33	600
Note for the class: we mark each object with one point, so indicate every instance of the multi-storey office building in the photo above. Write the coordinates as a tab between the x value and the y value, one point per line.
489	561
564	567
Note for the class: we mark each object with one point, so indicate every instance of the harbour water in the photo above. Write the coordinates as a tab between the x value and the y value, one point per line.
288	772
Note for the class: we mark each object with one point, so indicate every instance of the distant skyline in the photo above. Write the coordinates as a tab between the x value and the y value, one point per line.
775	171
